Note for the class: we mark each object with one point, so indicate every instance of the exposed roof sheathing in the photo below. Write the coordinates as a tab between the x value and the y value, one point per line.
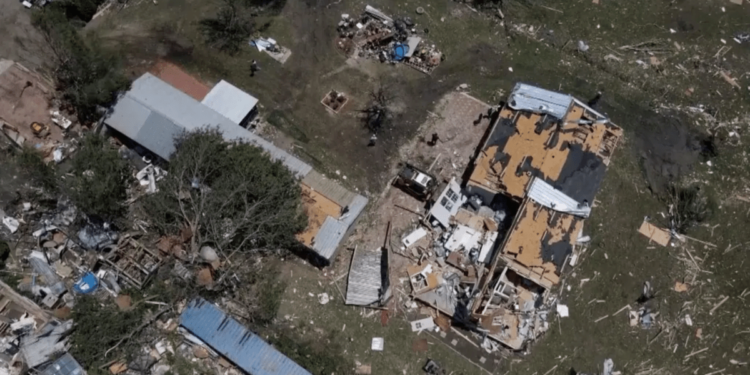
539	242
570	152
318	208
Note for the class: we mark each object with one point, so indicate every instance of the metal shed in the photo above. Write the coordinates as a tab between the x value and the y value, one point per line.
230	101
235	342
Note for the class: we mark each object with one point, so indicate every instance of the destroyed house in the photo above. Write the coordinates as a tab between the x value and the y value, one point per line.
235	342
548	152
153	113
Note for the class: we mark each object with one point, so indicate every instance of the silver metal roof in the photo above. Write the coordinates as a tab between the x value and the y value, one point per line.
133	116
235	342
333	231
365	280
39	348
329	188
230	101
534	99
546	195
65	365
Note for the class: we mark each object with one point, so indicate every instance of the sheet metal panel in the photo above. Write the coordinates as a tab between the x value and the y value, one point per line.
546	195
333	231
65	365
534	99
235	342
365	280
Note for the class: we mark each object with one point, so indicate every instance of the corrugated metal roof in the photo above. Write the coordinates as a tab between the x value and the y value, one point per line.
534	99
39	348
329	188
65	365
365	279
235	342
546	195
150	94
333	231
230	101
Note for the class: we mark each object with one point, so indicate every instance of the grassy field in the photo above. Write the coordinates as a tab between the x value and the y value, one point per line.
672	58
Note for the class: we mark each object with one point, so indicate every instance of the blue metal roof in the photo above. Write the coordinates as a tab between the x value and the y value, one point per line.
235	342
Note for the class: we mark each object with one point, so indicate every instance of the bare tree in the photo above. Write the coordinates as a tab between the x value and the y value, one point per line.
377	115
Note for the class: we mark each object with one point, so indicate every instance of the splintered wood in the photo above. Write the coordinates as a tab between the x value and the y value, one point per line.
655	234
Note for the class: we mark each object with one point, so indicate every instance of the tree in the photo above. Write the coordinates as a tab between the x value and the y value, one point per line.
87	75
228	30
377	114
233	197
100	178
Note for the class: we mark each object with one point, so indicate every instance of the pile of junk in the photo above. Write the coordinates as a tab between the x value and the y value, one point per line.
376	35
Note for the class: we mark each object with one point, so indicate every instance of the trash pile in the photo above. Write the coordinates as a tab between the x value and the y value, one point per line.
378	36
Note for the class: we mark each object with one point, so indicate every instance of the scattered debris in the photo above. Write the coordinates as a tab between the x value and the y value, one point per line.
376	35
273	49
562	310
422	324
680	287
377	344
323	298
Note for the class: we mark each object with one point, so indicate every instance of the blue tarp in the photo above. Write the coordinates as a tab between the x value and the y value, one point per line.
87	284
400	51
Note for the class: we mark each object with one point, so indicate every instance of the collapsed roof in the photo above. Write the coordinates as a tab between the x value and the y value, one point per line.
547	135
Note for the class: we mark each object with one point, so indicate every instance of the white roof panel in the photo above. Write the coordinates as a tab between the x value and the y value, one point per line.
230	101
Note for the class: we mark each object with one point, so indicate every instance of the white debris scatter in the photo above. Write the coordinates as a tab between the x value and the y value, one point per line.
562	310
323	298
377	344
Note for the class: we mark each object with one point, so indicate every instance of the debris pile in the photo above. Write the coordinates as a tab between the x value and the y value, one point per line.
490	249
378	36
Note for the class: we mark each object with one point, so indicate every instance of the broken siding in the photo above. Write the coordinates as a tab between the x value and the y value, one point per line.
365	278
235	342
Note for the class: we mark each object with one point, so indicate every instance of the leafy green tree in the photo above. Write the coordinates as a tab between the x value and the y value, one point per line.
233	197
87	75
229	29
100	327
100	178
41	173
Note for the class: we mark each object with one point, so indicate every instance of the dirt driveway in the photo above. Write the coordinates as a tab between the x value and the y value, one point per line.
21	41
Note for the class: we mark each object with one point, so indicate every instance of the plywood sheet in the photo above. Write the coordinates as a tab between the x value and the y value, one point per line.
654	233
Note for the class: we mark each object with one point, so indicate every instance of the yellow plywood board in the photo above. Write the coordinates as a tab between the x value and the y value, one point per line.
654	233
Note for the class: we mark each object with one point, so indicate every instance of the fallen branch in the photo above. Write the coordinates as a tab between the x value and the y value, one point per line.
730	80
717	305
554	10
138	329
696	352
